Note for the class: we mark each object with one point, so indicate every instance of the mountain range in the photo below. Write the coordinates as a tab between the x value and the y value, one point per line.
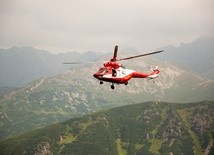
21	65
196	56
50	93
74	93
146	128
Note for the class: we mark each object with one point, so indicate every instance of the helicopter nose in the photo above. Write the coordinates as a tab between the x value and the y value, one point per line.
96	75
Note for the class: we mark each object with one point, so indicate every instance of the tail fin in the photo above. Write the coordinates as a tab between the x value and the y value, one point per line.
156	68
155	73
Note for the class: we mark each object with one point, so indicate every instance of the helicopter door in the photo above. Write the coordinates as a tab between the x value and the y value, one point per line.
114	72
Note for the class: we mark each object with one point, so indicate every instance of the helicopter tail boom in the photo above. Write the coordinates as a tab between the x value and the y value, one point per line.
154	74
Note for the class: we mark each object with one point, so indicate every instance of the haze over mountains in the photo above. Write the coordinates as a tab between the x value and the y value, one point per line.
197	56
21	65
75	92
52	93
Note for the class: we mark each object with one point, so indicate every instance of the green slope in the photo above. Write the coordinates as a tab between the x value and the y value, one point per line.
146	128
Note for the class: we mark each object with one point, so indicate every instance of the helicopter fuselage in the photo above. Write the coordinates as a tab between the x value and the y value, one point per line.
116	73
120	75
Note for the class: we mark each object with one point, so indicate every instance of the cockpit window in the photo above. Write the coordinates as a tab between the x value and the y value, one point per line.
102	70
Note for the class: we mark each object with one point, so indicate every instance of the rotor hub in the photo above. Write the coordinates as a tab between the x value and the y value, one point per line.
112	65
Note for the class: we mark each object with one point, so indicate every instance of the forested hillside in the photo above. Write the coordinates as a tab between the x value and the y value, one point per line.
146	128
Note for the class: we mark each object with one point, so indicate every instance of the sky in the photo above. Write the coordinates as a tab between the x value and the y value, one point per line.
98	25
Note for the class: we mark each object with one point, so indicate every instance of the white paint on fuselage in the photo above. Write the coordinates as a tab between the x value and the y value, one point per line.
121	73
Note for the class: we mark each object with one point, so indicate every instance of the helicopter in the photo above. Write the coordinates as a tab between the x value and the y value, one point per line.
116	73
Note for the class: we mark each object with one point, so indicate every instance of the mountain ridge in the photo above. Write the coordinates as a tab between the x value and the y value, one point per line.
74	93
144	128
197	56
21	65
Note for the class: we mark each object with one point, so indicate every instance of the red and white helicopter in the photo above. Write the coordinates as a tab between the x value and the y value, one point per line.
116	73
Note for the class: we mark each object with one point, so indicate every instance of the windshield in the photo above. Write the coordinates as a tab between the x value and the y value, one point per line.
102	70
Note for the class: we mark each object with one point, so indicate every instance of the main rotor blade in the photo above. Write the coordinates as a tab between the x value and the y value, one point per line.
140	55
90	62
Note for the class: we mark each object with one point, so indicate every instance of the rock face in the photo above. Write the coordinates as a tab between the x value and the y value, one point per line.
146	128
43	149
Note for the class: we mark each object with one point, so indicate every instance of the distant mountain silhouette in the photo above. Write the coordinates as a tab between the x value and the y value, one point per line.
21	65
197	56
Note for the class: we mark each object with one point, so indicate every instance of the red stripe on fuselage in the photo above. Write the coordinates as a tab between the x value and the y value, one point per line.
143	75
139	75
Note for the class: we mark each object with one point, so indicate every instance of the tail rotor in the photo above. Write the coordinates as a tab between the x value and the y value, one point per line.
156	68
154	74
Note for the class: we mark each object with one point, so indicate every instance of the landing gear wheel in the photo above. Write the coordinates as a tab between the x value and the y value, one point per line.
112	86
126	83
101	82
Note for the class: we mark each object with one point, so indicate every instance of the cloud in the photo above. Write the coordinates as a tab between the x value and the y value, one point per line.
100	24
